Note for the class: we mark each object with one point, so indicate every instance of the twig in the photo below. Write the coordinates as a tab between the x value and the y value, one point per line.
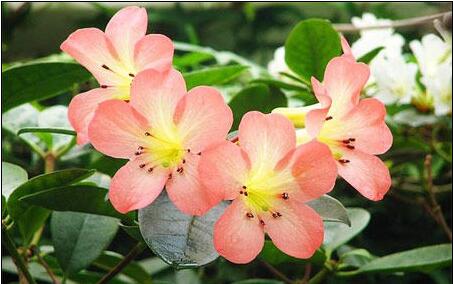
46	266
319	276
277	273
306	273
123	263
347	28
18	260
435	207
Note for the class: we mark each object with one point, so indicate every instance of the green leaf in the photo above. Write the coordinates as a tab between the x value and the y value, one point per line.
30	218
258	281
330	209
153	265
180	240
355	257
77	198
274	256
133	270
80	238
337	234
187	276
310	46
213	75
280	84
47	130
38	81
12	177
419	259
369	56
133	231
191	59
256	97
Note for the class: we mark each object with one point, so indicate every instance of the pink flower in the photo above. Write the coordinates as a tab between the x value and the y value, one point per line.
114	58
268	179
163	132
354	129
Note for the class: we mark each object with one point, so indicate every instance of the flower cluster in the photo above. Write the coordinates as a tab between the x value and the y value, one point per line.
176	139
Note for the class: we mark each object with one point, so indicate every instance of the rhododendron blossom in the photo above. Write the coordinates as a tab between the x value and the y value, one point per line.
268	179
163	132
354	129
114	58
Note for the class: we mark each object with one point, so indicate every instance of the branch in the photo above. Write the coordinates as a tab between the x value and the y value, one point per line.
123	263
277	273
17	258
350	28
44	264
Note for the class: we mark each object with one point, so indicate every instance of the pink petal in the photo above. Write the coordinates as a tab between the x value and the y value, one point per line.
298	232
314	170
266	138
344	79
203	118
117	129
347	52
81	110
366	173
133	187
237	237
314	121
156	94
366	123
153	51
223	169
124	30
186	191
91	48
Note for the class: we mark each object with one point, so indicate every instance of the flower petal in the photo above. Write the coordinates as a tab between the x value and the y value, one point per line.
117	129
81	110
299	230
156	94
344	79
153	51
223	169
314	169
187	192
133	187
366	173
366	123
237	237
124	30
347	52
203	118
266	138
92	49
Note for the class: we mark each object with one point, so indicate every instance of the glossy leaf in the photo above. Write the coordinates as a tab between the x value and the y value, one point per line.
12	177
213	75
330	209
80	238
47	130
419	259
369	56
337	234
180	240
38	81
28	217
274	256
256	97
310	46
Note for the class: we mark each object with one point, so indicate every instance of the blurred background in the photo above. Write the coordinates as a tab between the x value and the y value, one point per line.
253	31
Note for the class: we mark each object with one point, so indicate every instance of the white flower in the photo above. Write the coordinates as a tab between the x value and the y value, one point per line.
430	53
439	88
278	65
373	38
394	79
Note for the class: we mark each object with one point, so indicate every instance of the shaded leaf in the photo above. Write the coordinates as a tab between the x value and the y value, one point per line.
180	240
330	209
369	56
12	177
213	75
47	130
274	256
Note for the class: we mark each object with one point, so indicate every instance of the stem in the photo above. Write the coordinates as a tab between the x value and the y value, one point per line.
435	207
123	263
306	273
277	273
347	28
319	276
45	265
49	163
18	260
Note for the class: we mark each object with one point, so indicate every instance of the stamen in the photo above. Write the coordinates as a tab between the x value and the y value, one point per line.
140	148
138	153
278	214
350	147
131	75
245	193
199	153
244	187
180	170
104	86
343	161
188	150
347	141
183	161
142	166
106	67
285	195
170	176
262	222
275	215
352	139
147	134
249	215
329	118
241	192
150	170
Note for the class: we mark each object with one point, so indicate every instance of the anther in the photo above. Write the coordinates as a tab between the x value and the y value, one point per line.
347	141
188	150
244	187
104	86
352	139
142	166
105	67
183	161
140	148
343	161
350	147
199	153
147	134
262	222
278	214
249	215
131	75
180	170
285	195
150	170
275	215
329	118
170	176
241	192
245	193
138	153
